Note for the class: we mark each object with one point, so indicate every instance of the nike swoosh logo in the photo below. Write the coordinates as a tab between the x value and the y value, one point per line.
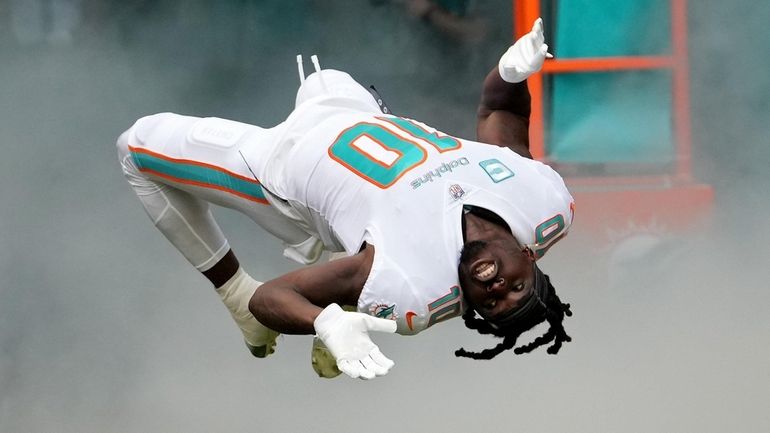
409	315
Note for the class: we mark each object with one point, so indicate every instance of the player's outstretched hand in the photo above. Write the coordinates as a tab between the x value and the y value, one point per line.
525	56
346	334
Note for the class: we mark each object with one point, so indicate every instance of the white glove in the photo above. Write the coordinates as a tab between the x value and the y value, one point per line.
525	56
346	335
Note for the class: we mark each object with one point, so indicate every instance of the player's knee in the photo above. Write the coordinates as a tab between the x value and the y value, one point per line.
124	156
136	135
122	143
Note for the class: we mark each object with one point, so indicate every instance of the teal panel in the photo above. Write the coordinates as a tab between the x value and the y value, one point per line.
590	28
198	173
611	117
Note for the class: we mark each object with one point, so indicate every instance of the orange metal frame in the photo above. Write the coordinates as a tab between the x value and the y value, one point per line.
640	197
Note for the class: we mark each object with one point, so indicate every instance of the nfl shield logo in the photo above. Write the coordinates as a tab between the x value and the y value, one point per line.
456	191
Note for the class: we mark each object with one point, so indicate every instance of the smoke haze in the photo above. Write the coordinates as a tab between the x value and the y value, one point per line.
105	328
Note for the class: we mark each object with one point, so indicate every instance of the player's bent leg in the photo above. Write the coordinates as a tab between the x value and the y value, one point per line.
212	160
186	221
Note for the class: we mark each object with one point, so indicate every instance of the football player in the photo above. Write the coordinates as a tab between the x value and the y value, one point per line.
432	226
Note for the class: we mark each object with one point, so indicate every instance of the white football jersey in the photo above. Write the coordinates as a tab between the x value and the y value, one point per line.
355	175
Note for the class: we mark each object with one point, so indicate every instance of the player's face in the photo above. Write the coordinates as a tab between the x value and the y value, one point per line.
496	276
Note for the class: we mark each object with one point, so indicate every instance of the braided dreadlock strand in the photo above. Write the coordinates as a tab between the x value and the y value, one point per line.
557	326
507	343
509	335
537	342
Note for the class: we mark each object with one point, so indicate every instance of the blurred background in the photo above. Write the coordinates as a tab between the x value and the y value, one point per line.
105	328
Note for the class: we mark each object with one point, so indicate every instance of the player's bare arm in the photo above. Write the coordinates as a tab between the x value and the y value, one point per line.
307	301
291	302
503	115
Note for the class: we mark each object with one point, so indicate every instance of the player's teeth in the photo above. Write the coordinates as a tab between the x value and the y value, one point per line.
486	271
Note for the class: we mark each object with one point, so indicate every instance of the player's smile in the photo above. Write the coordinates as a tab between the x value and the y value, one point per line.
484	270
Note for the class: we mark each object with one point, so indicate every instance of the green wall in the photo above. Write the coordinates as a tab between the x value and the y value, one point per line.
610	117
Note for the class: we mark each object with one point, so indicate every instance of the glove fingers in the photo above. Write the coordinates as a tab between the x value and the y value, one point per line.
371	365
351	368
537	32
529	50
381	360
537	27
370	369
366	374
544	52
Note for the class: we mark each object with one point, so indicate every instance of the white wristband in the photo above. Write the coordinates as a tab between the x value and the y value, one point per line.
236	294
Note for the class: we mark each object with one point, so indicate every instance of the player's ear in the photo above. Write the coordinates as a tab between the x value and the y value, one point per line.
530	255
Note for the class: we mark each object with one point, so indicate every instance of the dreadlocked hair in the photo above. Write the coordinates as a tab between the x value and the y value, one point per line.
552	311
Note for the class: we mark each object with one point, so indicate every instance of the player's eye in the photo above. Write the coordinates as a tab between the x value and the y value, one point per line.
519	287
490	304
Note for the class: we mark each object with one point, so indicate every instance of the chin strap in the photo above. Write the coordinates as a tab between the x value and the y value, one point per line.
532	306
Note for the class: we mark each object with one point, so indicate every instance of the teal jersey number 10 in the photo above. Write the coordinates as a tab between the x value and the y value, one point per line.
380	155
